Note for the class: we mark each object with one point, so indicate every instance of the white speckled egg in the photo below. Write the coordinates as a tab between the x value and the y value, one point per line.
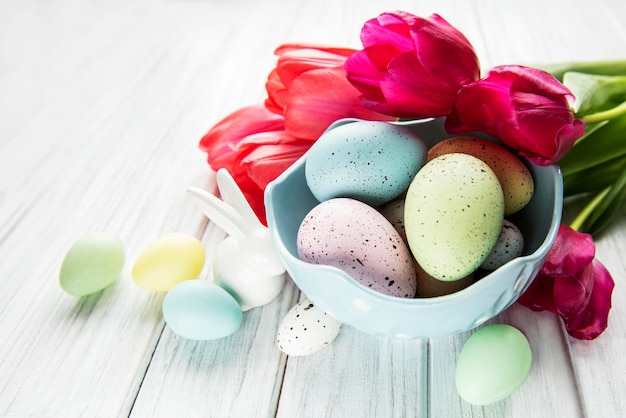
369	161
306	329
515	179
356	238
453	215
510	245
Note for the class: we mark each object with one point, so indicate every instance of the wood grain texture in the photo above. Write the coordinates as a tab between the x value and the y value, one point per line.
102	104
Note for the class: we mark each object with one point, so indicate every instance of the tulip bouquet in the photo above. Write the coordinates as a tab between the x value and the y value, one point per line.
412	68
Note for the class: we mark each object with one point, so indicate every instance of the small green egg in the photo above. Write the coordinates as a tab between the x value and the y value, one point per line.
494	362
91	264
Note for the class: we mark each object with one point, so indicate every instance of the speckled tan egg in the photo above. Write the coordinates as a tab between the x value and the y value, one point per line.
356	238
453	214
394	213
516	181
428	286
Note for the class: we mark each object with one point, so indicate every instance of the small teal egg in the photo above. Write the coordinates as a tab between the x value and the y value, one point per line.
201	310
494	362
91	264
372	162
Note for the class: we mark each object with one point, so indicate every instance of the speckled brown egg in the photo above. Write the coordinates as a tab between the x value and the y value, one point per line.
515	179
428	286
356	238
452	215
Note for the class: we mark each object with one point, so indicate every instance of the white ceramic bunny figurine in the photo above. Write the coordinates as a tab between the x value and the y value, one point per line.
246	264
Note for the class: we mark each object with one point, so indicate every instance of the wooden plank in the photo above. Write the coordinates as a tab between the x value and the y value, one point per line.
358	375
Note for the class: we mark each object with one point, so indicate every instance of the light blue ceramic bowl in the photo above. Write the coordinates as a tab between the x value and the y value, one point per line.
288	200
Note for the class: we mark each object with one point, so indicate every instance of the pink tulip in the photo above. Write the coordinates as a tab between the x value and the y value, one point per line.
573	285
526	108
307	91
411	67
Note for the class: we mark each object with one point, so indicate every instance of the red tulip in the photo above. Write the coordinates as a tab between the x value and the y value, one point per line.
307	91
573	285
411	67
526	108
235	137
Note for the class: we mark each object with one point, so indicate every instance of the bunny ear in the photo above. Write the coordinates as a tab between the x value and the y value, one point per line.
225	216
232	194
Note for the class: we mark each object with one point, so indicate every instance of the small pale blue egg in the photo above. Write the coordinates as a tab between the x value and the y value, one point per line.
368	161
201	310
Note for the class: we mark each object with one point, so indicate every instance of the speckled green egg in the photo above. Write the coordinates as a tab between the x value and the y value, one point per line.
453	214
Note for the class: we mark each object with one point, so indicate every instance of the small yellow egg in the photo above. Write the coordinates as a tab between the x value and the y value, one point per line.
167	261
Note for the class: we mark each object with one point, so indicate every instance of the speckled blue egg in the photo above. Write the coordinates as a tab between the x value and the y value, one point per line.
356	238
201	310
372	162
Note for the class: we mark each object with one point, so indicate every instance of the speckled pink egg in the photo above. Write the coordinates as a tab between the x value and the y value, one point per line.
356	238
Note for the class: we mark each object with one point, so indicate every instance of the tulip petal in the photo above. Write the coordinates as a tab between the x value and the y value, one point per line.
222	138
266	163
593	320
412	93
389	29
293	63
574	285
364	75
528	109
570	253
411	67
320	97
435	41
276	93
540	294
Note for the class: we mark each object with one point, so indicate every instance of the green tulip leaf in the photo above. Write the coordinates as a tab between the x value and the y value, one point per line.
598	147
594	178
595	93
603	209
611	67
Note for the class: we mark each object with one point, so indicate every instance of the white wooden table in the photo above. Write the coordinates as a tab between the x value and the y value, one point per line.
102	104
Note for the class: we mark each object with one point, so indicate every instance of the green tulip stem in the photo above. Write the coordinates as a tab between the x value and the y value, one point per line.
605	115
588	209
